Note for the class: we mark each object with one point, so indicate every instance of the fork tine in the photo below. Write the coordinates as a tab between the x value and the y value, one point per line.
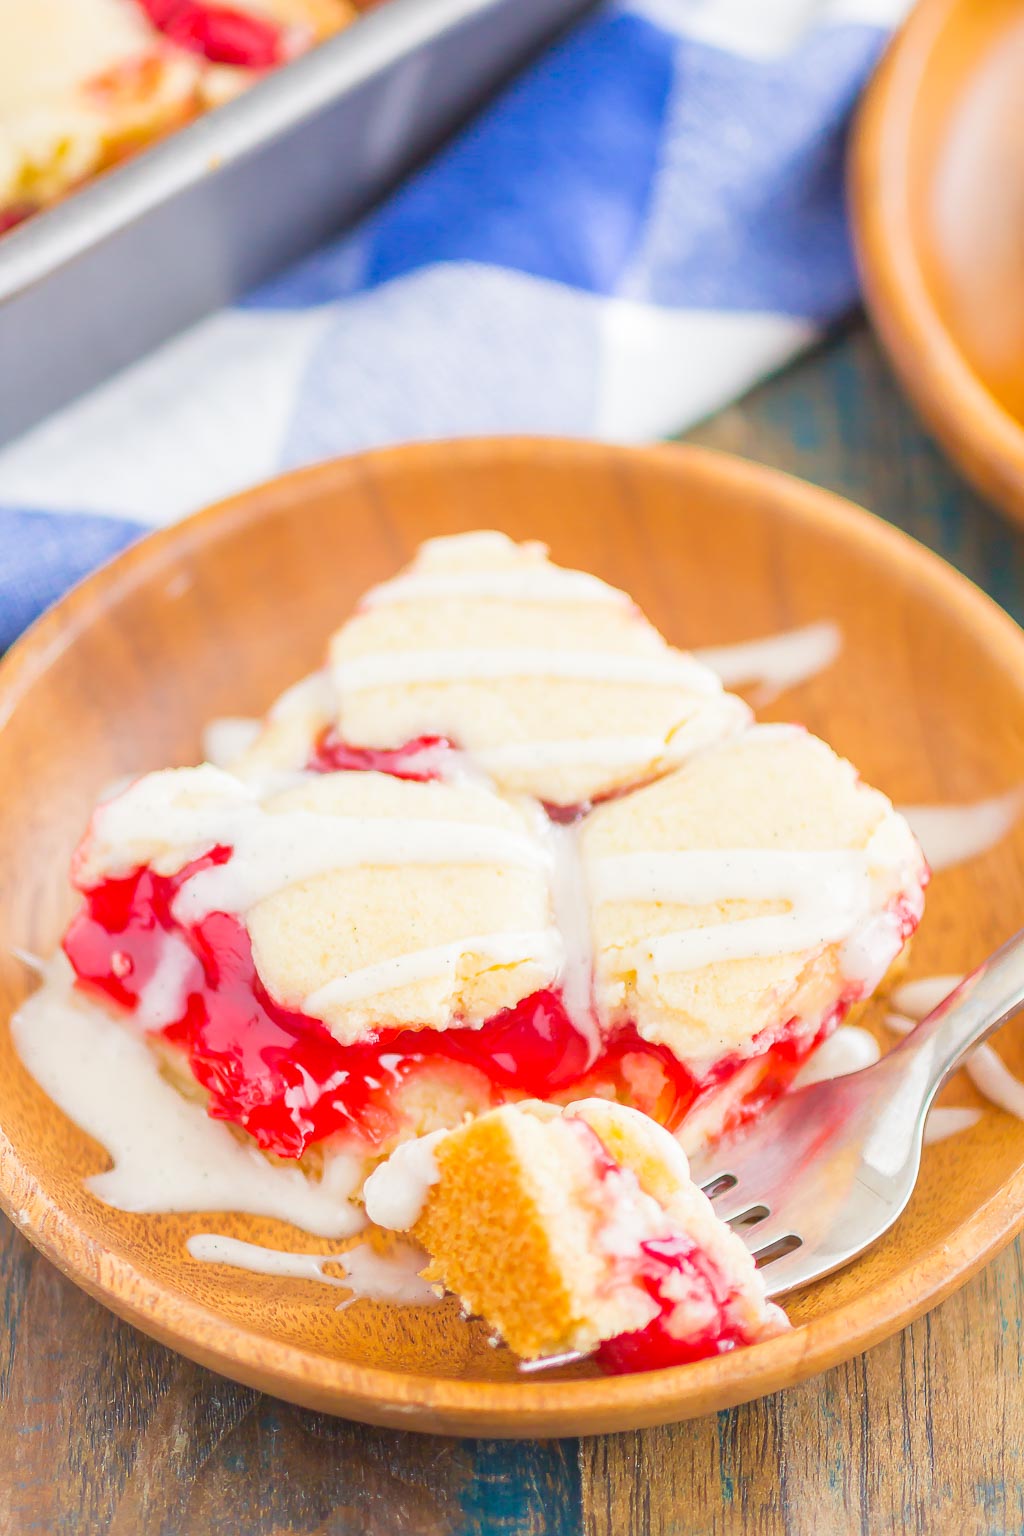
708	1182
791	1271
767	1232
735	1202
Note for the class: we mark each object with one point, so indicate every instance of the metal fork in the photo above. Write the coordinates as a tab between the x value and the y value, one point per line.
827	1171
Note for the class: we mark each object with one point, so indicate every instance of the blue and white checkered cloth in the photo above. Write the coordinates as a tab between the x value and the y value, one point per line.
645	223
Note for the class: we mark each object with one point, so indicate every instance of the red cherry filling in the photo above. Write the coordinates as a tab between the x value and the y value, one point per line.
656	1346
283	1076
220	33
420	759
15	214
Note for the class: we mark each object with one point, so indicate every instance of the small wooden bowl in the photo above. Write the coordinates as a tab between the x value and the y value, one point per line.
937	196
216	615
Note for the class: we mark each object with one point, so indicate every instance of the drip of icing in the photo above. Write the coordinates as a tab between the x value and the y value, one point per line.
993	1078
164	997
226	739
32	961
850	1049
778	661
191	811
719	718
275	851
829	894
917	999
542	584
944	1122
393	1276
314	694
869	951
168	1155
951	834
541	945
833	896
613	751
212	1248
658	668
396	1191
572	920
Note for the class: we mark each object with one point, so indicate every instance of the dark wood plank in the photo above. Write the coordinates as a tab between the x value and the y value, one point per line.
103	1430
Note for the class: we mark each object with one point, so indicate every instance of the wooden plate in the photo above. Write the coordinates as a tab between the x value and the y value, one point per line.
218	614
937	193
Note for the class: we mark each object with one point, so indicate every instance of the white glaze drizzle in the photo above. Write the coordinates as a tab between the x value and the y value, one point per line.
226	738
850	1049
951	834
537	584
656	669
168	1155
163	998
29	959
272	852
993	1078
314	694
775	662
718	718
915	1000
829	894
213	1248
610	751
833	896
572	920
541	945
191	810
392	1276
312	698
869	951
396	1191
945	1121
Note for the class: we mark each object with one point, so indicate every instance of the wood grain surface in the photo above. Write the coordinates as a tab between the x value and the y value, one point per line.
100	1430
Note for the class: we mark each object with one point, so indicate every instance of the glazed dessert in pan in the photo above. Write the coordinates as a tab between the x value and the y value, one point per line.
85	83
509	846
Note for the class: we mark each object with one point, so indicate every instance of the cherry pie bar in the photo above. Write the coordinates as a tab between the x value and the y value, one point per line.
577	1231
508	846
84	83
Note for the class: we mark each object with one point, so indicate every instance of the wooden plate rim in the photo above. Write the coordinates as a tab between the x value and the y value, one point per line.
986	441
405	1399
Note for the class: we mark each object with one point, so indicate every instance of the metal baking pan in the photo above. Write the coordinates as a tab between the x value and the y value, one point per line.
150	247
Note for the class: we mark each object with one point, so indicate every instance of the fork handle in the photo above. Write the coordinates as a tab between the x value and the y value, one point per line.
979	1005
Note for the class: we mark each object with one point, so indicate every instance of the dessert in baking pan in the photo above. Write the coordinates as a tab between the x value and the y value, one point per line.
84	83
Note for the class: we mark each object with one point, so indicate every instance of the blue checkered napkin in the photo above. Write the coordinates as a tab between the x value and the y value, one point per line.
649	220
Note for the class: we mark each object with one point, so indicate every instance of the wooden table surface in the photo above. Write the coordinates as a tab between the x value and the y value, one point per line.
103	1431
